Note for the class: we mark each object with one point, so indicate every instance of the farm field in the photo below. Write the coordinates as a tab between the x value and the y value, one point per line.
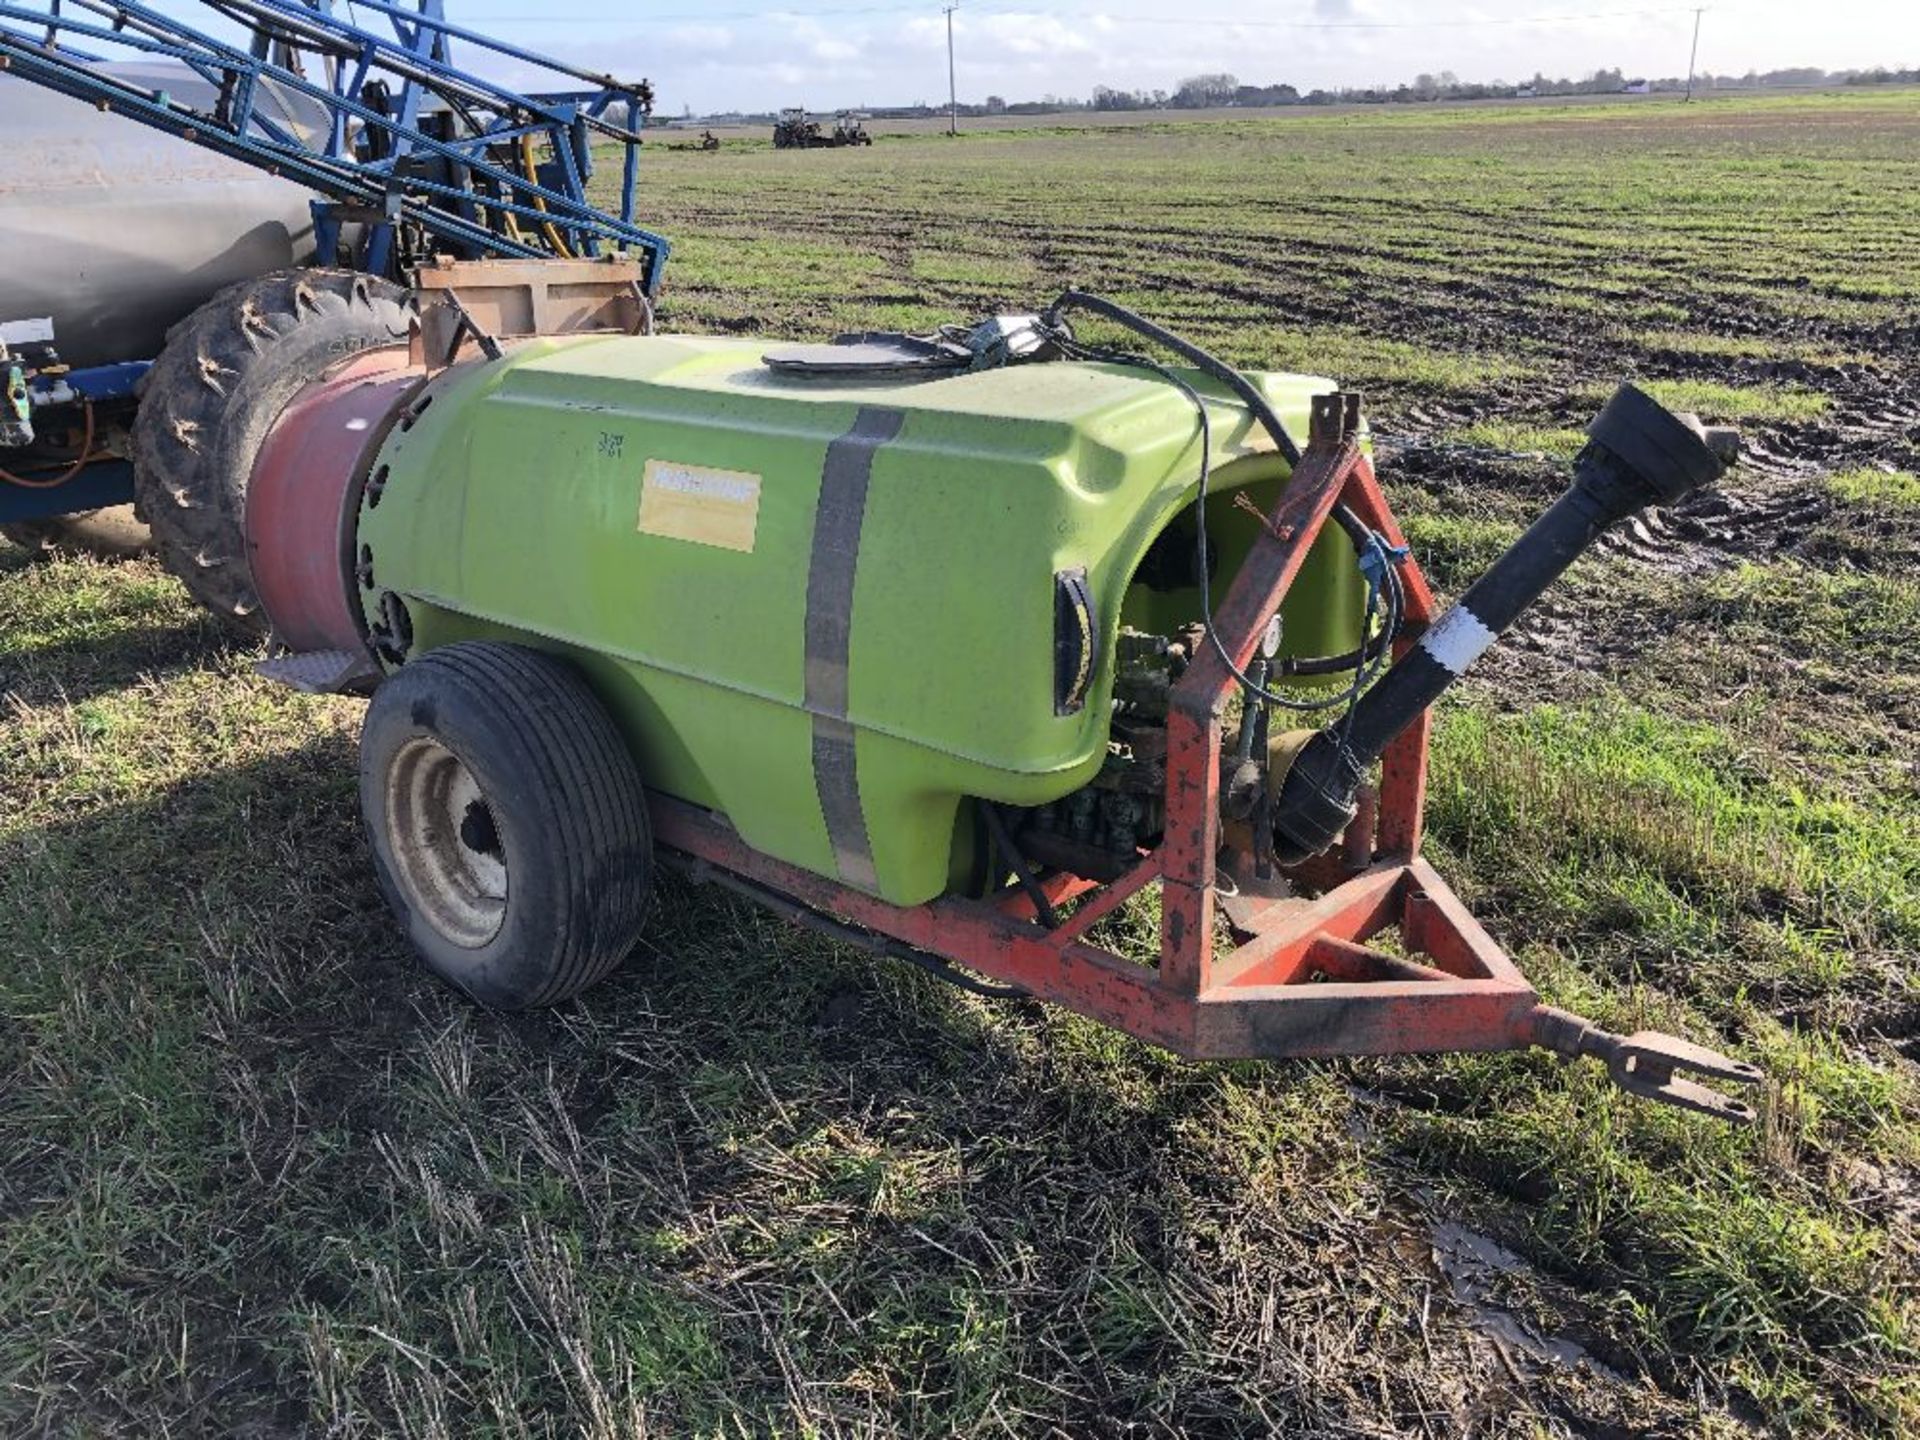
1081	120
260	1176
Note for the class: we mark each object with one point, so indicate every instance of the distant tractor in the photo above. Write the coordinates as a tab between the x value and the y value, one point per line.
795	131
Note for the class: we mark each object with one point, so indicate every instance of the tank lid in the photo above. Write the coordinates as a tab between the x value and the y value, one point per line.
872	356
893	355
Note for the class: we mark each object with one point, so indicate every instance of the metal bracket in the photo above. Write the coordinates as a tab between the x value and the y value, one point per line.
465	325
1645	1063
16	425
511	299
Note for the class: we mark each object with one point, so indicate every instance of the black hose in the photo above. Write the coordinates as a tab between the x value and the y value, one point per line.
1003	843
1187	350
1366	661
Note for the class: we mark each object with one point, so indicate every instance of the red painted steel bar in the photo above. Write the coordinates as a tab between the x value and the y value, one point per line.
972	933
1199	700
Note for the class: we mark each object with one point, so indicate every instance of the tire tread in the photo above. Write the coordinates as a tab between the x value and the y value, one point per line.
598	835
193	438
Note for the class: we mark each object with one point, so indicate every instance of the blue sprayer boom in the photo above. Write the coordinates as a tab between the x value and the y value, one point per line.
342	141
387	130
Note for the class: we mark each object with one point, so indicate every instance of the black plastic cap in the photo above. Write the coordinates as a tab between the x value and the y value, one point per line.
1670	455
1316	802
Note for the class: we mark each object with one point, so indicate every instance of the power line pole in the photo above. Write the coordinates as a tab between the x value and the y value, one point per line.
1694	57
953	91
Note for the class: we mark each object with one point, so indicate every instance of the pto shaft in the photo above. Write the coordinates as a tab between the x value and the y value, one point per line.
1638	454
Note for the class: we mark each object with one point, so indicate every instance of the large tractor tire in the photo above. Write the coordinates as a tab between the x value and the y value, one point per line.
226	373
507	821
112	533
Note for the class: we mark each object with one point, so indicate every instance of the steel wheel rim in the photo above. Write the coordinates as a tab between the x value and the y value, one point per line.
445	843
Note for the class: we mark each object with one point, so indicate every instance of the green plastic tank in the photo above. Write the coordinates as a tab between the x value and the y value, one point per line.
830	610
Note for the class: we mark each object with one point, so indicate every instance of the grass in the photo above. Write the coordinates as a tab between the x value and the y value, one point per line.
1734	861
1554	442
259	1176
1717	402
1453	548
1878	489
1675	881
1763	347
1713	401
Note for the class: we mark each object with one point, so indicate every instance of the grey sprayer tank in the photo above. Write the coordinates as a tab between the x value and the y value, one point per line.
117	231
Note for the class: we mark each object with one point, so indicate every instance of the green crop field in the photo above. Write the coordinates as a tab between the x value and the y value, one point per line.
260	1176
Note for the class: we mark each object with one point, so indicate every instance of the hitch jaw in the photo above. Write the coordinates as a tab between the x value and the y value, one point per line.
1645	1063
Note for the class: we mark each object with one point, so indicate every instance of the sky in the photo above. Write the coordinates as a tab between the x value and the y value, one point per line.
752	55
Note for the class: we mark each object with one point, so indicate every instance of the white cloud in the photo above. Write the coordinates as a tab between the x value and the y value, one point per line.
1029	35
700	37
924	33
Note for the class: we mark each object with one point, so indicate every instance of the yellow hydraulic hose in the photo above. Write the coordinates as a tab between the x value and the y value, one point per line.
554	237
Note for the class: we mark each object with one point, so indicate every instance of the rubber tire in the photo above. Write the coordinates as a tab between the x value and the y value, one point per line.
222	379
113	532
566	801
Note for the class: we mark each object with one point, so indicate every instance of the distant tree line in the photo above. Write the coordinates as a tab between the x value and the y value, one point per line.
1218	90
1199	92
1208	92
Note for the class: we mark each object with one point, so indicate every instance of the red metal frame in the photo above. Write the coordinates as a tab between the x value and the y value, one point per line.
1301	978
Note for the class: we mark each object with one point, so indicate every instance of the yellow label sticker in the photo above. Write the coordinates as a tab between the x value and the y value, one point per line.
704	506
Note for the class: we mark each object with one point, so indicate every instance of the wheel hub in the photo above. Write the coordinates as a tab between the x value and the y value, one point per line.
446	842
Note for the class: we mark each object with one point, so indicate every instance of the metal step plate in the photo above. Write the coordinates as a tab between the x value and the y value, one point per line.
323	672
